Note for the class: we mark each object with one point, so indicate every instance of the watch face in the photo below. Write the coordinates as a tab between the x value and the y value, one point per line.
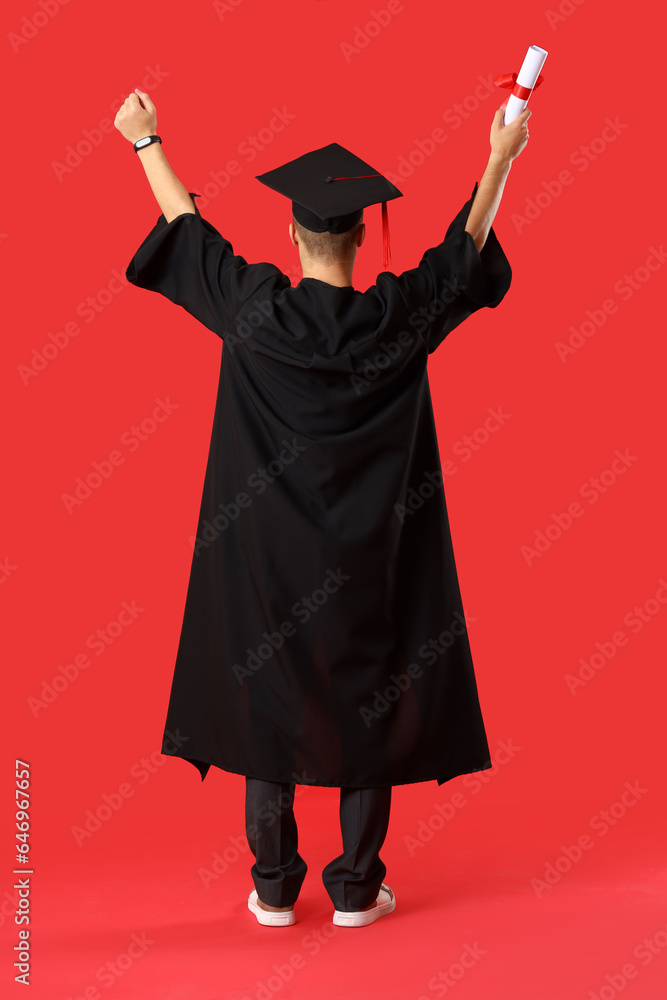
143	142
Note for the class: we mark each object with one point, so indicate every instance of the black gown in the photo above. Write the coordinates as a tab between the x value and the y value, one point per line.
323	639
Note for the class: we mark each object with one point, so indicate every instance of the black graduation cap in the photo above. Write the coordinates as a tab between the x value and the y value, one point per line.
330	187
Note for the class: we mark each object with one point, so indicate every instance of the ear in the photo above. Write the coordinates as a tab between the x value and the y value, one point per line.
361	235
292	234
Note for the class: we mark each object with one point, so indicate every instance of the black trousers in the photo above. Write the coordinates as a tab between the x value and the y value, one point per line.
352	879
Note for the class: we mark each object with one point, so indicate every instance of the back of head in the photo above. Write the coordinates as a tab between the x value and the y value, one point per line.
326	248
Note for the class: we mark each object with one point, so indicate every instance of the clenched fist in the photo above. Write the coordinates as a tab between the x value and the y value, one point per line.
136	117
508	141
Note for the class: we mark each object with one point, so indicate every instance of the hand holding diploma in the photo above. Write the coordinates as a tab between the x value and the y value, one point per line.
509	135
508	141
522	83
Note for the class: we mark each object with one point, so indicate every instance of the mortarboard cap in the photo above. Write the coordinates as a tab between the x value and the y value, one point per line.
330	187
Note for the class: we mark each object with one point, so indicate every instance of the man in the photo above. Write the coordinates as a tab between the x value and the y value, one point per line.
323	638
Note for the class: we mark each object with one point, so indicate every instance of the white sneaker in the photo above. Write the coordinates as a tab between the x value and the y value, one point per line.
385	903
268	917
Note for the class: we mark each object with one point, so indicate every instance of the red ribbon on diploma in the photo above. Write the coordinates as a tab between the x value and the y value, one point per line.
508	80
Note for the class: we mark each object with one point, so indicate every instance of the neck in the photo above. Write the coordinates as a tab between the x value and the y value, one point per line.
334	274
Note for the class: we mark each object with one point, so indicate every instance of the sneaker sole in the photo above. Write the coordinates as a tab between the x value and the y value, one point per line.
360	918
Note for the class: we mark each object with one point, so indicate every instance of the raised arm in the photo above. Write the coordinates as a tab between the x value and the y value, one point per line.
137	118
507	142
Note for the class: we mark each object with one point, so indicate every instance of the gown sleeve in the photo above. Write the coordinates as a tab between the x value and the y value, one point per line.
190	263
453	280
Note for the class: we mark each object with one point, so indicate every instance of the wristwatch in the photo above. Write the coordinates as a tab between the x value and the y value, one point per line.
140	143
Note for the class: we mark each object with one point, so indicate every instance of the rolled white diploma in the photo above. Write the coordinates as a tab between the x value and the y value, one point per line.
526	77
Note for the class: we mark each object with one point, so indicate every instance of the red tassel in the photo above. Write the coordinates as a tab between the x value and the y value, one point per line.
386	251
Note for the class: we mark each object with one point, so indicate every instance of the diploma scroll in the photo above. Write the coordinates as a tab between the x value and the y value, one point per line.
522	83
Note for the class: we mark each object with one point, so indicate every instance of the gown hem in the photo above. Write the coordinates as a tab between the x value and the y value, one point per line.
204	766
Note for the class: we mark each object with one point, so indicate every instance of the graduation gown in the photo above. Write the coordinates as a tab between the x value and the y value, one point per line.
323	639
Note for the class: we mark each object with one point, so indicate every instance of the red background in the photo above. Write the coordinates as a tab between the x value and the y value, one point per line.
67	574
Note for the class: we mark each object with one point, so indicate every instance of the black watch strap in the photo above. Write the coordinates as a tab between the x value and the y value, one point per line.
146	141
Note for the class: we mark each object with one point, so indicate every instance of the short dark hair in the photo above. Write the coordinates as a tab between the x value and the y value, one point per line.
327	247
